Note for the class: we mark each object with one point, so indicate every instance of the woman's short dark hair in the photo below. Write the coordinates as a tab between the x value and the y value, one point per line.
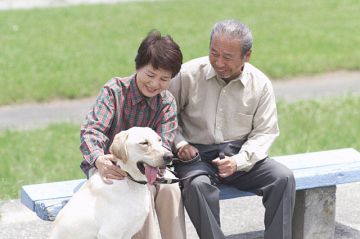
161	52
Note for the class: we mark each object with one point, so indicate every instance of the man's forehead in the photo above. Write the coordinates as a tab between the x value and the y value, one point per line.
225	42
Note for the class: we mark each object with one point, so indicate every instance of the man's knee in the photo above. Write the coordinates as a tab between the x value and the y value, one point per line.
200	185
169	191
286	177
197	182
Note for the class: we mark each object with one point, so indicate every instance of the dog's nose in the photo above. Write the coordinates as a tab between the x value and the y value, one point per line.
168	157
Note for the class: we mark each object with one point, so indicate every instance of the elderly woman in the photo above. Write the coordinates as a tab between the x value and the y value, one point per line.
142	100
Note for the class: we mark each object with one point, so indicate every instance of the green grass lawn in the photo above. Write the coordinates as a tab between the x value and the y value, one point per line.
41	155
315	125
71	52
52	153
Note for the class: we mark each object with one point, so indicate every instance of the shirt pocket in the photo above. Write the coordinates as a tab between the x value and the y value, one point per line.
238	126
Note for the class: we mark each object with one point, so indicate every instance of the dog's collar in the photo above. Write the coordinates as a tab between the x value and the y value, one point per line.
131	177
194	160
169	180
158	180
134	180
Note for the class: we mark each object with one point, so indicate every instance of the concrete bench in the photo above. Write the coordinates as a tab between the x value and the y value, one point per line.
316	174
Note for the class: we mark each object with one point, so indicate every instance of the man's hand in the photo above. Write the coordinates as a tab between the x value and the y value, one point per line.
187	152
108	170
226	166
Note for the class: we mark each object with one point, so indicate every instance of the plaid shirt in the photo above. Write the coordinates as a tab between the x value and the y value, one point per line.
120	106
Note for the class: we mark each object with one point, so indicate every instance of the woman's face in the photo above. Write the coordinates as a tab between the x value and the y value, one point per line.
151	81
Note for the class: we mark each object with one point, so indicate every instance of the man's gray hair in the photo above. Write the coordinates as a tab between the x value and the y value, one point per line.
235	30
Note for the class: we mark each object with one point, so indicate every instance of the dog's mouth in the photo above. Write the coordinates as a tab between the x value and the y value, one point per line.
149	171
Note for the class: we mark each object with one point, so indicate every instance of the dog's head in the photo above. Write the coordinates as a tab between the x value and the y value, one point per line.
139	151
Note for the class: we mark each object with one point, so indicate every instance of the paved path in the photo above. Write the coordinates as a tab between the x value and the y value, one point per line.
241	218
29	116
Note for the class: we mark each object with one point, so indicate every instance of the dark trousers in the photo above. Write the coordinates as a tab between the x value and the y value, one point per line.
268	178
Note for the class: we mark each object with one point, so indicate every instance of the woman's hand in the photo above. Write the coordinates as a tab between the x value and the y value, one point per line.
108	170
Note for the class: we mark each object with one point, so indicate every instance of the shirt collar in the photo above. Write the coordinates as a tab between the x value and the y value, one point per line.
211	73
136	97
243	78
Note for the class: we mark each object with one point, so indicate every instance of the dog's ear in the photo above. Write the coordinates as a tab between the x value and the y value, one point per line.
118	146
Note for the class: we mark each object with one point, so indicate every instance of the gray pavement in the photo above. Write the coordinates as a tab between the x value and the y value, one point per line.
27	116
241	218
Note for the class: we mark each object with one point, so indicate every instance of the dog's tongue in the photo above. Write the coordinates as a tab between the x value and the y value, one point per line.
150	173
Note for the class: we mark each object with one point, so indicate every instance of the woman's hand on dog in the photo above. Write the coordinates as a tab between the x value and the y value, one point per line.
108	170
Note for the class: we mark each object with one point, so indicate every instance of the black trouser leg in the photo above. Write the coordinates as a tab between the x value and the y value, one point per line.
201	200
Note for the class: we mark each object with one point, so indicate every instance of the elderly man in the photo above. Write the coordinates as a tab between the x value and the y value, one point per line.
227	116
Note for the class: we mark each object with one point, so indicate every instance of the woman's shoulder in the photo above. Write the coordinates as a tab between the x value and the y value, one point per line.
120	82
166	97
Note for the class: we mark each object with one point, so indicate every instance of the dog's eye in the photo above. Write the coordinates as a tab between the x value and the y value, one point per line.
144	142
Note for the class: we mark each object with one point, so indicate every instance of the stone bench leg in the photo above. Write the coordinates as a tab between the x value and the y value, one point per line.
314	214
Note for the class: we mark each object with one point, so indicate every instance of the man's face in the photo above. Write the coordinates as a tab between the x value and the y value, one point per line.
226	58
151	81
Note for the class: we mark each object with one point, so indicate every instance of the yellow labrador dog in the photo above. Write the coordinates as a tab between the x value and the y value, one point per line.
118	210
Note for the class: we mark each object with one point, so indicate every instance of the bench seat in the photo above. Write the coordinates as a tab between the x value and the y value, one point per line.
316	175
314	170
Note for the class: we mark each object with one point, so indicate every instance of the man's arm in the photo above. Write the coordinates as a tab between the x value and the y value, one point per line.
262	136
265	131
181	99
167	124
184	150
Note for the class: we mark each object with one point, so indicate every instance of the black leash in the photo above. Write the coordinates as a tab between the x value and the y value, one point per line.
184	162
166	180
179	180
174	180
